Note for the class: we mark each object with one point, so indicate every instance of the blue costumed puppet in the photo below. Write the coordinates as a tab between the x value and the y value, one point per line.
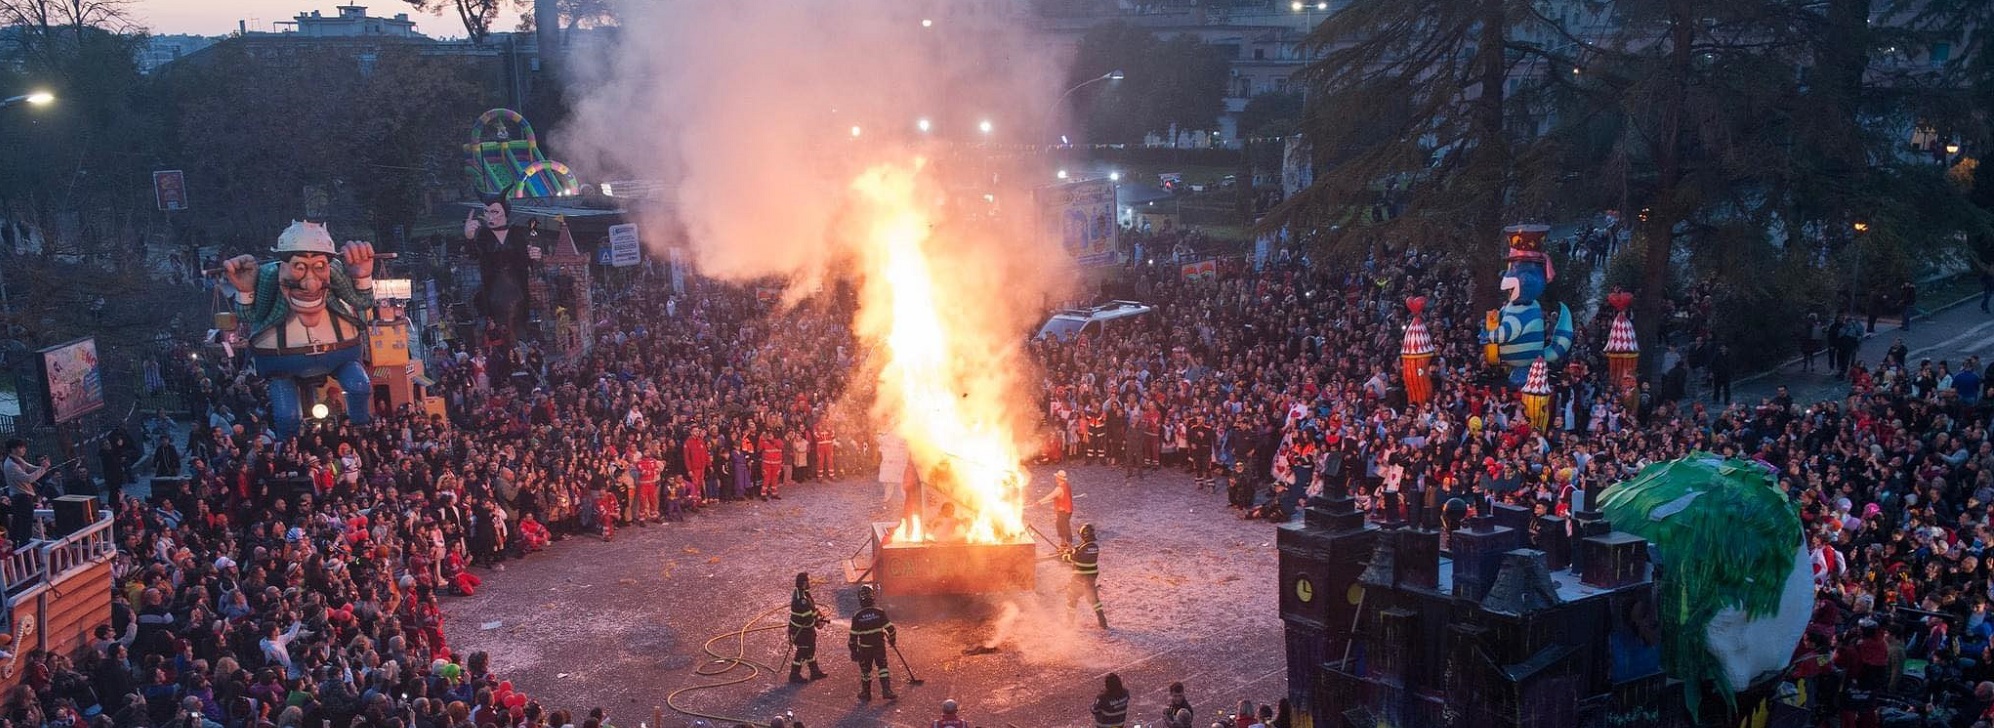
304	312
1517	330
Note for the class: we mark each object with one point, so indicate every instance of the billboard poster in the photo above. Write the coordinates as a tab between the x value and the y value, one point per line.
73	378
1081	216
169	189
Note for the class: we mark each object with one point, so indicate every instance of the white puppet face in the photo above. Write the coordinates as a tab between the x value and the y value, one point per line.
1748	648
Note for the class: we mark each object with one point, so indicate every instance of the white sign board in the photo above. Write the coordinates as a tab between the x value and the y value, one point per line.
624	250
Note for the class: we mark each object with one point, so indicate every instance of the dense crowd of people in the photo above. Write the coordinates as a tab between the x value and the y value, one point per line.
1289	381
296	583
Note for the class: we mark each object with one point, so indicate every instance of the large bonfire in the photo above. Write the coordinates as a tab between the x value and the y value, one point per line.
947	352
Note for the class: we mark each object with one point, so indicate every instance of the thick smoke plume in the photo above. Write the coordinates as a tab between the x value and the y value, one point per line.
745	108
790	135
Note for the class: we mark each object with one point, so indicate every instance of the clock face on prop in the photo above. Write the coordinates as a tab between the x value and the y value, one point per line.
1304	589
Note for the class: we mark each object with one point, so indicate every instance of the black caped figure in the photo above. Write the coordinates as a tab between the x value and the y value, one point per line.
804	619
872	633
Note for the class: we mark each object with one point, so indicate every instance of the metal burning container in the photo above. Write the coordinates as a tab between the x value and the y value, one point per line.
906	568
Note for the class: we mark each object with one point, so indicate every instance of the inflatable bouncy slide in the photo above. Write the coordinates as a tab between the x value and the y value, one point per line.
504	154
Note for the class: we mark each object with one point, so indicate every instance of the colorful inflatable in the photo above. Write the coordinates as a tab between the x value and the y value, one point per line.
1517	330
504	157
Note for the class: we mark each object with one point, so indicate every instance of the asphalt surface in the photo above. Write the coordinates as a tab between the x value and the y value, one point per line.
1951	333
1189	589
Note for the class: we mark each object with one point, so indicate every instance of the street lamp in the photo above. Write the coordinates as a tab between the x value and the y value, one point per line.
983	126
923	125
856	131
1952	148
1861	227
1309	10
37	98
1114	75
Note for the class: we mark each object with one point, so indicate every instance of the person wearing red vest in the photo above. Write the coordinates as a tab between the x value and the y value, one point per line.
1061	498
824	440
949	718
649	471
696	462
771	445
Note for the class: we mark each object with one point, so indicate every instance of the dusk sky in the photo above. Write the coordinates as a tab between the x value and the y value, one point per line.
218	17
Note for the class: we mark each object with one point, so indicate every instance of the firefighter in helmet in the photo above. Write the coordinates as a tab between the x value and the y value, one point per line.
872	633
1086	561
804	619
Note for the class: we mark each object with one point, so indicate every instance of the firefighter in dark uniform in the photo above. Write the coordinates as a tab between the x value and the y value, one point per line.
872	633
804	619
1097	436
1199	438
1086	561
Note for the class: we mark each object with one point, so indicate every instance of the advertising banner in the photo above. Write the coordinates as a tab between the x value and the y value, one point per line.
73	378
1081	216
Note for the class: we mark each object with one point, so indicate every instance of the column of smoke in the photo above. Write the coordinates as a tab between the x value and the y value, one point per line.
745	108
788	133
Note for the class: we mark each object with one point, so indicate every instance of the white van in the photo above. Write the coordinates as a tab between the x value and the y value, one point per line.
1066	324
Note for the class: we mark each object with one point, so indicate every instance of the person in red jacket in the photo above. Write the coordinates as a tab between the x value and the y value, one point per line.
824	440
533	535
650	470
771	446
696	462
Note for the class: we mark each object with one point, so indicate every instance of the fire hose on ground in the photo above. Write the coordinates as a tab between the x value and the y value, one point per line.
723	664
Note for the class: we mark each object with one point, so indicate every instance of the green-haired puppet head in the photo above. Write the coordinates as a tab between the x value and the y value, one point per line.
1735	584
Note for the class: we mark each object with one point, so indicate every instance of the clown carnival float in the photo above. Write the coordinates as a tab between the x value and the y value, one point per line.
305	314
1677	606
1516	332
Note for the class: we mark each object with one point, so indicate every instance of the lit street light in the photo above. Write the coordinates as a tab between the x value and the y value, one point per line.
1062	174
37	98
1952	148
1114	176
1114	75
923	125
856	131
1308	8
984	126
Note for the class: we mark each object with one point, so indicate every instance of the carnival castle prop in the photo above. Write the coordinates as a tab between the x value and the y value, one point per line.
1678	605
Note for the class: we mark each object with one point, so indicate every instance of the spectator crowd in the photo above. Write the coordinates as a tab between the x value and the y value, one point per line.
300	583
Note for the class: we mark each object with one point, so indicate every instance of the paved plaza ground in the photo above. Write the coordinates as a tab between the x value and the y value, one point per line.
1189	589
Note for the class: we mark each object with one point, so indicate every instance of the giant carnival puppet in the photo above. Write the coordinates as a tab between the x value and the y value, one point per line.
504	252
1736	583
1517	330
305	317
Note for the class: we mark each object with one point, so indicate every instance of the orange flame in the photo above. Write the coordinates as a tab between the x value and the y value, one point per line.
949	366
